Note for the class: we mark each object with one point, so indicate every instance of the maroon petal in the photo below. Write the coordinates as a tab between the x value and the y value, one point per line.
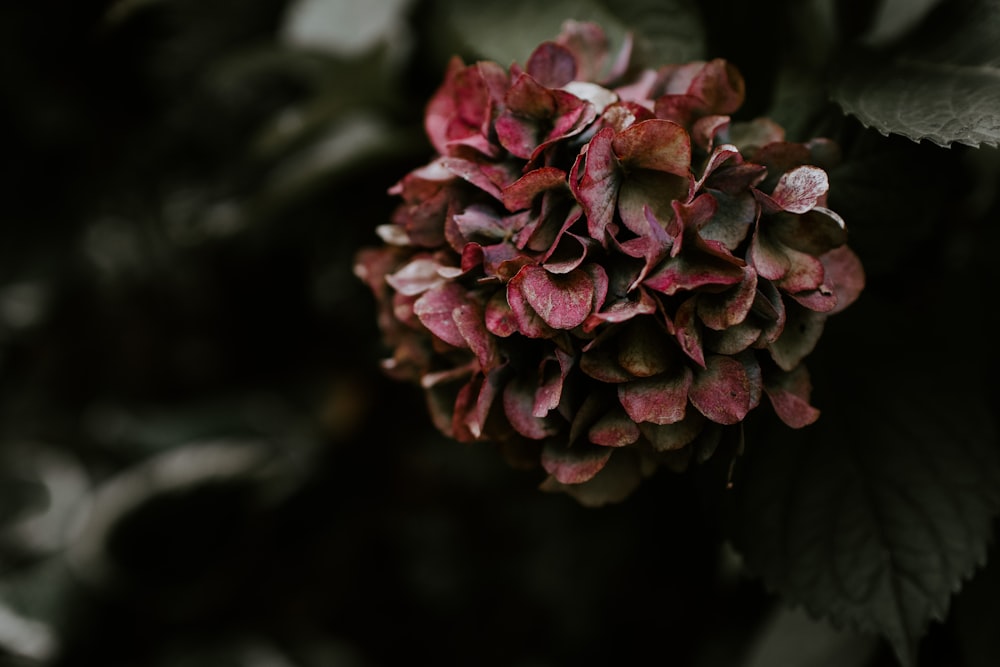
574	465
644	349
694	269
671	437
529	322
751	135
789	394
562	301
733	340
613	484
471	323
518	406
614	429
553	372
660	145
805	272
589	45
597	187
601	362
435	310
815	232
720	155
802	331
729	308
768	257
734	217
720	85
660	400
652	191
552	65
500	320
622	310
522	192
844	272
705	129
689	331
723	391
473	173
566	255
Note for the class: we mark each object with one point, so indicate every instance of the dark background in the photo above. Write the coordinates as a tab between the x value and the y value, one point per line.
200	461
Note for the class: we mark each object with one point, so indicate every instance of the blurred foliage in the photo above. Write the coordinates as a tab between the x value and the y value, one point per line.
200	462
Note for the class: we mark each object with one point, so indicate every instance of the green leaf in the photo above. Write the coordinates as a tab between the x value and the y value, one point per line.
508	31
876	514
344	28
943	85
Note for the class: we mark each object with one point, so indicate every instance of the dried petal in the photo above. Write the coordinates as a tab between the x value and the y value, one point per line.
660	400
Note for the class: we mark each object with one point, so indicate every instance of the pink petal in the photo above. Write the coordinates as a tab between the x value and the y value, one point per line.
660	145
729	308
815	232
653	191
733	340
805	272
552	65
589	46
473	173
720	85
671	437
613	484
789	394
597	187
844	271
529	323
601	363
574	465
562	301
435	310
723	391
660	400
471	323
691	270
552	372
689	331
622	310
416	277
518	406
521	193
802	331
614	429
499	319
644	348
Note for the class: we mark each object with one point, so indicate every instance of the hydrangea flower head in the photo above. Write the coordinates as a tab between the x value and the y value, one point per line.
601	271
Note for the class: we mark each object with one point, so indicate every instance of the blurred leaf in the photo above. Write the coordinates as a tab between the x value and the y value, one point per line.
344	28
944	85
894	18
668	31
875	515
792	639
509	31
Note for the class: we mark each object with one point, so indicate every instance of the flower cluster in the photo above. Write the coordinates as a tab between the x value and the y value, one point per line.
600	270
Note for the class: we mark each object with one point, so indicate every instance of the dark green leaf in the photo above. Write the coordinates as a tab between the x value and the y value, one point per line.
943	85
875	515
668	31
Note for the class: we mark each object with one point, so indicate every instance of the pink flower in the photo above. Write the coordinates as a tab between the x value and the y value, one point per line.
600	271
